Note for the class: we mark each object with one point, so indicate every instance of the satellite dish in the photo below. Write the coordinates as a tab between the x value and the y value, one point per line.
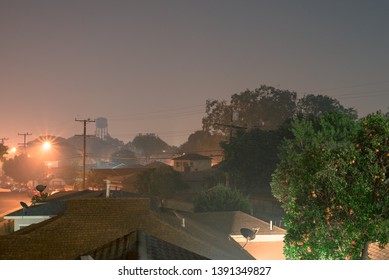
40	188
25	207
248	234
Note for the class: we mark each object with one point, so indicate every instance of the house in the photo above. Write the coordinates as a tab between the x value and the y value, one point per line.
191	162
93	227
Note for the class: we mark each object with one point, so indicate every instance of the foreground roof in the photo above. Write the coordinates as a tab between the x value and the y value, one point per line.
92	223
139	245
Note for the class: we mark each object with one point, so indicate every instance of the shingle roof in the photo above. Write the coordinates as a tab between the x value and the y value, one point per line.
139	245
46	209
230	222
88	224
192	157
55	204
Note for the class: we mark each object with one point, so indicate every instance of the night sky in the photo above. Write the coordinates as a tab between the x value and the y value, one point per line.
149	66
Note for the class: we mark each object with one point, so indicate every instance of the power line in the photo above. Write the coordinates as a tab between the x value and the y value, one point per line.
344	87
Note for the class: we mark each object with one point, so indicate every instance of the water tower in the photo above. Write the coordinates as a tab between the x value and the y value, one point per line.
101	128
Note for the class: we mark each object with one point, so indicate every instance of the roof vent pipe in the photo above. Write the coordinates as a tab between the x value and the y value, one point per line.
183	222
108	183
271	225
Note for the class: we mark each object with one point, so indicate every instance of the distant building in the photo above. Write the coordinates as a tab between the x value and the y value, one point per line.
191	162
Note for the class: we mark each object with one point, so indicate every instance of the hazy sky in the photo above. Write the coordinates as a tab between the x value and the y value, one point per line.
149	66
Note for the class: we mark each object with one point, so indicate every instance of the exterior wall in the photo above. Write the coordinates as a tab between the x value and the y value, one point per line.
265	250
192	165
21	222
263	247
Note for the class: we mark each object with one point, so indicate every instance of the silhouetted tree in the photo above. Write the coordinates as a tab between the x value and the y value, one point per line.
124	156
202	142
251	158
149	144
265	107
162	181
3	151
23	168
313	105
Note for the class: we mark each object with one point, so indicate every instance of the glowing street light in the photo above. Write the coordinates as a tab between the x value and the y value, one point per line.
46	145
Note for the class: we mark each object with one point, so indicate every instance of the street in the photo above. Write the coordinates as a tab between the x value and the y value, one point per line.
11	200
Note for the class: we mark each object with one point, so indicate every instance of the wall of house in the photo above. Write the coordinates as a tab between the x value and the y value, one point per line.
264	246
21	222
266	250
192	165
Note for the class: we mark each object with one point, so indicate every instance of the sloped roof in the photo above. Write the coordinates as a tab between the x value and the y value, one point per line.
46	209
91	223
192	156
139	245
230	222
118	171
55	204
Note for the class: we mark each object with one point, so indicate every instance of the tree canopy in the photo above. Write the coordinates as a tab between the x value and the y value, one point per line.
149	144
23	168
313	105
3	151
162	181
251	157
202	142
332	181
222	198
266	108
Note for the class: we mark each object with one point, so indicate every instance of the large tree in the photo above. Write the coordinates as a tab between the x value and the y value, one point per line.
162	181
124	156
264	107
332	182
203	142
313	105
23	168
251	157
3	151
149	144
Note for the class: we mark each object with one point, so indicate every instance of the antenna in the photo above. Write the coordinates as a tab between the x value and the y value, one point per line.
25	207
248	234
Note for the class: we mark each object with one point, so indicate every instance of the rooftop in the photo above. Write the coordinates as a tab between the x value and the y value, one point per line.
192	157
91	223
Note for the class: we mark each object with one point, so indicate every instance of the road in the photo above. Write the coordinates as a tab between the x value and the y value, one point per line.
11	200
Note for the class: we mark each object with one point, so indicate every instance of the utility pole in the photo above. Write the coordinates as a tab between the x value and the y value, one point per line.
85	121
24	141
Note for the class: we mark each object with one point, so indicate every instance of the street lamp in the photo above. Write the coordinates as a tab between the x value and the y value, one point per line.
46	146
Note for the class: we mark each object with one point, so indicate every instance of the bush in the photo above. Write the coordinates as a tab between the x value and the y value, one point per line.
221	198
